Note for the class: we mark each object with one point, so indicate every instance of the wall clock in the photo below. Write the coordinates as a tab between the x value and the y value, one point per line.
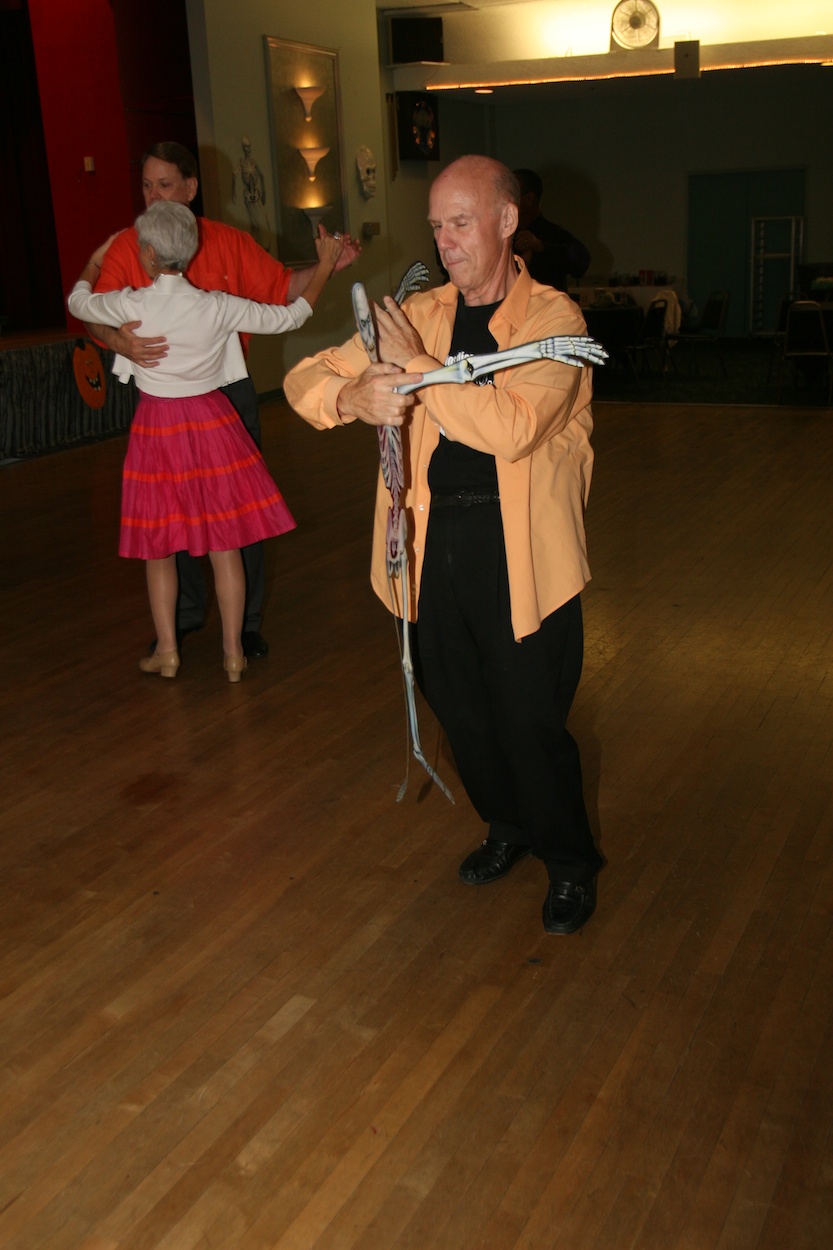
635	24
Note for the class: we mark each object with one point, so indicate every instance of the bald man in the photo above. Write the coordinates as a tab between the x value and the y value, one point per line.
496	487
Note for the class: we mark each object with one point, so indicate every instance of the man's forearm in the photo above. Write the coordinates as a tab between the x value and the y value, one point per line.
299	280
102	334
125	342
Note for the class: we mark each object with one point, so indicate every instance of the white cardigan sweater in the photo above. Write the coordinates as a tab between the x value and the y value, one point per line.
204	351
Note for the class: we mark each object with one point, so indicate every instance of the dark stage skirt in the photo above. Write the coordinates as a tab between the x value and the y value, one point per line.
194	481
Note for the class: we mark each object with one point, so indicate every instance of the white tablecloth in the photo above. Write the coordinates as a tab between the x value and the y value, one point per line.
641	295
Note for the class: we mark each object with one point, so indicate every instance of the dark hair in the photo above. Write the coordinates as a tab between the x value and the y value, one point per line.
173	154
529	181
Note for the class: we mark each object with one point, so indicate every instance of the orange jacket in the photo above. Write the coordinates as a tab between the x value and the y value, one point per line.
535	420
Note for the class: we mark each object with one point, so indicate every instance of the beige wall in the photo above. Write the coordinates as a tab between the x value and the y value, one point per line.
615	157
565	28
231	98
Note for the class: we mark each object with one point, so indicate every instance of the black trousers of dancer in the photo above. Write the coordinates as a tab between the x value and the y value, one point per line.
504	704
191	599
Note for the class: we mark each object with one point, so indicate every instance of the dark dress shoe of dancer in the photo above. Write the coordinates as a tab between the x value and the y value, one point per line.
255	646
567	906
491	861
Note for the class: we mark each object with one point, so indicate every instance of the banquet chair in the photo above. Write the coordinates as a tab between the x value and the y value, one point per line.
779	337
708	331
617	329
806	343
651	343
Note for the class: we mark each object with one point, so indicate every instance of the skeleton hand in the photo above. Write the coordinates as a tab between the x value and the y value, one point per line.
412	280
575	350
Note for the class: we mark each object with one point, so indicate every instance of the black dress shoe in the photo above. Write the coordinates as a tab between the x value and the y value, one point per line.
255	646
567	906
491	861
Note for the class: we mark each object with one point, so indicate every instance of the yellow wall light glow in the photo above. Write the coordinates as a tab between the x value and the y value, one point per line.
568	32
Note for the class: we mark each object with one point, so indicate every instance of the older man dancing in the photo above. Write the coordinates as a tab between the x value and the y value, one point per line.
227	260
498	476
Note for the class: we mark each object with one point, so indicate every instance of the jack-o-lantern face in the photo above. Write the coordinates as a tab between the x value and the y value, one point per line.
89	374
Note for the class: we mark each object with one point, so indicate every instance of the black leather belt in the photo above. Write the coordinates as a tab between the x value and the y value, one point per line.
465	498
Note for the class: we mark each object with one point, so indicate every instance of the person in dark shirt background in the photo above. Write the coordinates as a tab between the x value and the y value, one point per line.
550	252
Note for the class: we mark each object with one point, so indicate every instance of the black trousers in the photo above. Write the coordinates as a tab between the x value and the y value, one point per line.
191	601
504	704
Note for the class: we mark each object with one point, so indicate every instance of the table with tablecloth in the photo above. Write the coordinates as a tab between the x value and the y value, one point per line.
641	296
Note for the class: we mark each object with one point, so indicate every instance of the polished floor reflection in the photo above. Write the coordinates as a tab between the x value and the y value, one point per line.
246	1002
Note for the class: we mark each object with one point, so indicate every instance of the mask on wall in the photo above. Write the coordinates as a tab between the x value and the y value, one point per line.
89	374
366	165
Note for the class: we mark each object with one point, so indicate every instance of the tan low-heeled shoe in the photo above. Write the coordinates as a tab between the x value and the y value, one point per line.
165	663
235	666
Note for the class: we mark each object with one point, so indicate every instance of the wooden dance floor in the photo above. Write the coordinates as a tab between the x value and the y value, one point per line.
246	1003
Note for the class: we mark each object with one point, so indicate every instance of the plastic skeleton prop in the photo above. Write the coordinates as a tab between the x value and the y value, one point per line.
567	349
393	472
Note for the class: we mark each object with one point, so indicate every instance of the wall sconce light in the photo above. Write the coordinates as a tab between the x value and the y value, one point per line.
308	96
314	216
312	156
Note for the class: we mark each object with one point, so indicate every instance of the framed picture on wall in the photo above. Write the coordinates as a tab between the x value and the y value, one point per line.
305	123
417	126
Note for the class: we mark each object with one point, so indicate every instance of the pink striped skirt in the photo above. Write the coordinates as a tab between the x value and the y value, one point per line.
194	481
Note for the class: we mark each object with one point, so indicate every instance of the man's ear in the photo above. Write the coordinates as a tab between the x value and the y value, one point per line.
191	184
508	221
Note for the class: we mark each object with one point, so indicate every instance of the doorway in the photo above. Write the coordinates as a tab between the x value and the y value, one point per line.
721	208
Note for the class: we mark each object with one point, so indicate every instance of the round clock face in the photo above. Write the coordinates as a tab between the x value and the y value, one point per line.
635	23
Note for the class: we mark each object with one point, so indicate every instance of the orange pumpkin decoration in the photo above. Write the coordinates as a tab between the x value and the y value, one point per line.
89	374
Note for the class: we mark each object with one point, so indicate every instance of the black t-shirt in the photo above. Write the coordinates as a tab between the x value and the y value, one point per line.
454	466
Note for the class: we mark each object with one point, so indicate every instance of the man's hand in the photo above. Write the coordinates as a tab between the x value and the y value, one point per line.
142	351
299	279
371	396
398	341
351	252
330	250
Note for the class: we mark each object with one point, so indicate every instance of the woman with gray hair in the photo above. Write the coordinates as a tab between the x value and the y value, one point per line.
193	478
171	233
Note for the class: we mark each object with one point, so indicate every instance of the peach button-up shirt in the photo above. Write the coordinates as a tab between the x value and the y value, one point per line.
535	420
